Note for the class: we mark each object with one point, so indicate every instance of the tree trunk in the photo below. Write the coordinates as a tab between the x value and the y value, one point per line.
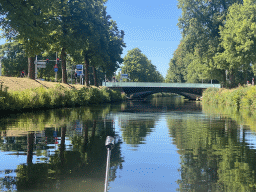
86	71
63	66
31	68
232	79
95	76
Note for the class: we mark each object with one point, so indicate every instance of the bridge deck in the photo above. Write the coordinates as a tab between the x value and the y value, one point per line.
151	84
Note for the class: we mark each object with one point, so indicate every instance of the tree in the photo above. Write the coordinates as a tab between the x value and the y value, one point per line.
177	66
74	27
238	40
27	22
115	48
13	59
200	23
90	34
102	43
139	68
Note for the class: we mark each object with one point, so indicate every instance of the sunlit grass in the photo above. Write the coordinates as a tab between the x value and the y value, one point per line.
37	95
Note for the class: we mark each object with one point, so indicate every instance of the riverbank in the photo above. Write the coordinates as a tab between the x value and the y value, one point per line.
22	94
240	97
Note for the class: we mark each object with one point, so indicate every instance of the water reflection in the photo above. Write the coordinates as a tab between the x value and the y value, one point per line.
167	145
214	155
242	116
56	149
135	128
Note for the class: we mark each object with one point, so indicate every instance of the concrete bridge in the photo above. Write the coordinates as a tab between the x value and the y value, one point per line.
140	90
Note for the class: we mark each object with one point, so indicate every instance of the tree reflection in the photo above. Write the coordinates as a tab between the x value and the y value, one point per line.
213	157
30	139
84	163
134	132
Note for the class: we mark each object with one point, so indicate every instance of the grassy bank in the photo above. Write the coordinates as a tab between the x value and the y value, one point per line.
241	97
54	95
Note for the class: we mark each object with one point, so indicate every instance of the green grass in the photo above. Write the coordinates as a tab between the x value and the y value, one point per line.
58	96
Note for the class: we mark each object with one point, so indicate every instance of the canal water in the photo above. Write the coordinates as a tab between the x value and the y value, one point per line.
165	144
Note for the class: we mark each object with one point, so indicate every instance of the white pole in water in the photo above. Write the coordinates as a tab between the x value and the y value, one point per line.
110	145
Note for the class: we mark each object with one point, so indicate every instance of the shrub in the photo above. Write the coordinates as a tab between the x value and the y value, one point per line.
106	94
241	97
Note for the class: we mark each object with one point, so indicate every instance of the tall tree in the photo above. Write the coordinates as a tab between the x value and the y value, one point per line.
100	41
139	68
200	23
238	40
115	48
177	66
89	31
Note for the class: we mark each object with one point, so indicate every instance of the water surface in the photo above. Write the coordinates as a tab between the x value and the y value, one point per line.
161	145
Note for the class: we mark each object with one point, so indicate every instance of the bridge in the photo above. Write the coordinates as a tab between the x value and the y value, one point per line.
140	90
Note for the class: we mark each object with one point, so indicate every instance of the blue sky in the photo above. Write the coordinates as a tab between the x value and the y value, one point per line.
149	25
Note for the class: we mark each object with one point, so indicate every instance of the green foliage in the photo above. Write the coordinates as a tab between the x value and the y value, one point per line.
80	28
197	57
28	22
238	40
14	60
139	68
56	97
241	97
177	66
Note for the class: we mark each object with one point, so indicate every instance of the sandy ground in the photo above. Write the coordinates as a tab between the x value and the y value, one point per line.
19	84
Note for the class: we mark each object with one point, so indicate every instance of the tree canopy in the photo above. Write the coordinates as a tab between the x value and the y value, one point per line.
217	42
139	68
238	38
14	61
79	28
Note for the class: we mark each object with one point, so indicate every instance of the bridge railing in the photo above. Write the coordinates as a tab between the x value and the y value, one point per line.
152	84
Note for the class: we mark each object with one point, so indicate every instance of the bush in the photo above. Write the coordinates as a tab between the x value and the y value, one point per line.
241	97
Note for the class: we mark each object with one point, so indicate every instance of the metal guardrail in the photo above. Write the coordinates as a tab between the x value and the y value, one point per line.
151	84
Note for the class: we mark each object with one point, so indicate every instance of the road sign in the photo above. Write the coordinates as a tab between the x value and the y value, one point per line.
41	66
41	63
79	67
79	73
125	76
55	69
56	66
